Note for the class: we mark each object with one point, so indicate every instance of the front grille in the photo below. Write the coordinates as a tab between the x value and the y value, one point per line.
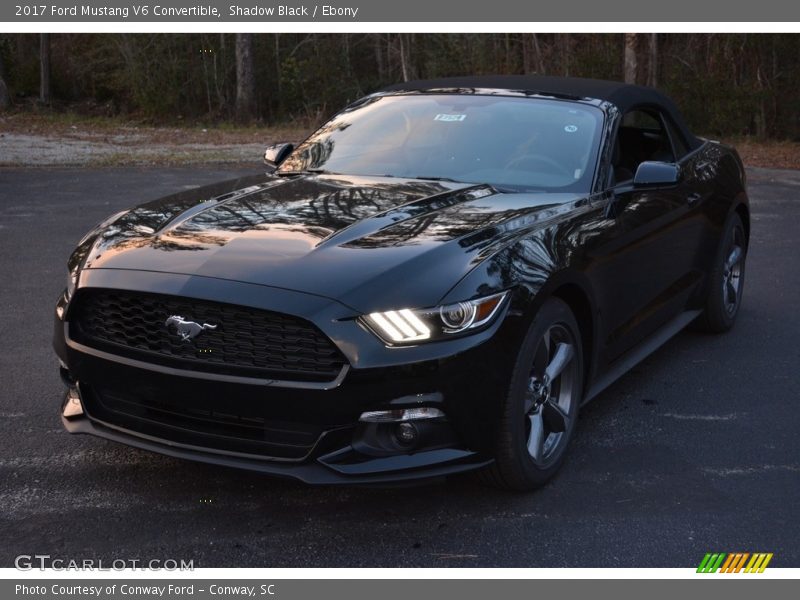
246	341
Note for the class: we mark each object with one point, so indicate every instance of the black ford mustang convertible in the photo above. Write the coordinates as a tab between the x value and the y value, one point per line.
433	282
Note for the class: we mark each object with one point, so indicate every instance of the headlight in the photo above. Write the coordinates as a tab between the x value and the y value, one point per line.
406	326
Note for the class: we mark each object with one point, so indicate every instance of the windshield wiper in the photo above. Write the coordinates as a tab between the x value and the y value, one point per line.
500	188
435	178
306	172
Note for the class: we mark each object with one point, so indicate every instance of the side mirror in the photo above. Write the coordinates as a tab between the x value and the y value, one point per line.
656	173
275	154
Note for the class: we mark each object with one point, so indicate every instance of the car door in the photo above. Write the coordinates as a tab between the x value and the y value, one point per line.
650	274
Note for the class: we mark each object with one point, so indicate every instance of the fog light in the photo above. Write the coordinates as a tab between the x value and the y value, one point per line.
73	406
406	433
400	414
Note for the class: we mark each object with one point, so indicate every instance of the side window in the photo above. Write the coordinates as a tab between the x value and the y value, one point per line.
641	137
678	143
642	119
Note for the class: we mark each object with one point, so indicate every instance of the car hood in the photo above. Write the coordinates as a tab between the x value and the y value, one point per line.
367	242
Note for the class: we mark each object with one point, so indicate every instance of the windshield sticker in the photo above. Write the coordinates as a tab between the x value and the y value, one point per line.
449	118
571	128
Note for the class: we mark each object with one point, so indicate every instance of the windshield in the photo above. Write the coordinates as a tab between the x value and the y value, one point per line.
522	143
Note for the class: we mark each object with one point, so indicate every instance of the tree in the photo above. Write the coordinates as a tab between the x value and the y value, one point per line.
631	60
5	99
405	41
245	77
537	52
531	41
44	68
640	59
564	42
754	77
652	74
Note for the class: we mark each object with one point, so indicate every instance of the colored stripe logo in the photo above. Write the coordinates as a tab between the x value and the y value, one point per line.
735	562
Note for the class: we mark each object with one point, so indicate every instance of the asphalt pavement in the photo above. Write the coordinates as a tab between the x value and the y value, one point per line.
696	450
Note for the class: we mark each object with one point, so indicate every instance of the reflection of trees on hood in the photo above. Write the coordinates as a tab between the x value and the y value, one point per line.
319	207
531	259
438	226
136	228
539	253
296	204
380	214
174	241
145	219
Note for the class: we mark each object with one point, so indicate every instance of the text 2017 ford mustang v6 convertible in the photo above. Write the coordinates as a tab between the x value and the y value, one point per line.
433	282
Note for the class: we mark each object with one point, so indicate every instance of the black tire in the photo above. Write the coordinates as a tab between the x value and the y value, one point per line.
726	281
515	467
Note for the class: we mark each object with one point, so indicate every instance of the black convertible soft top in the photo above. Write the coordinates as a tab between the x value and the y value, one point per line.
623	95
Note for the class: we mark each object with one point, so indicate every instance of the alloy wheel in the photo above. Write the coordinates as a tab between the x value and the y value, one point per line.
550	395
732	272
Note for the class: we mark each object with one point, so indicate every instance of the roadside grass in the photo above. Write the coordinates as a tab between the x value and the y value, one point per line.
139	131
770	154
173	159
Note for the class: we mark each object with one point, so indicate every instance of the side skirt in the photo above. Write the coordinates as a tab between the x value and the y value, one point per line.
640	352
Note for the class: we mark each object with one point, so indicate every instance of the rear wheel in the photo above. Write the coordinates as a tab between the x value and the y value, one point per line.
539	413
726	282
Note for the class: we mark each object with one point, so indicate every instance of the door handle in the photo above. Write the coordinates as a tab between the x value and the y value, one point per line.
693	198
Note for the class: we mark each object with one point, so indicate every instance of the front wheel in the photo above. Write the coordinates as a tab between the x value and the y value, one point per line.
540	410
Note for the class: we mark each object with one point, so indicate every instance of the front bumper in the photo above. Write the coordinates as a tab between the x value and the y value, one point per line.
313	434
417	467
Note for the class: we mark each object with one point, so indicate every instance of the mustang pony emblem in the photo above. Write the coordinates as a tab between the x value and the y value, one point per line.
188	330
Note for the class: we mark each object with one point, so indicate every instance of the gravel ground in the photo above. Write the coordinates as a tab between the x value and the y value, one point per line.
19	149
